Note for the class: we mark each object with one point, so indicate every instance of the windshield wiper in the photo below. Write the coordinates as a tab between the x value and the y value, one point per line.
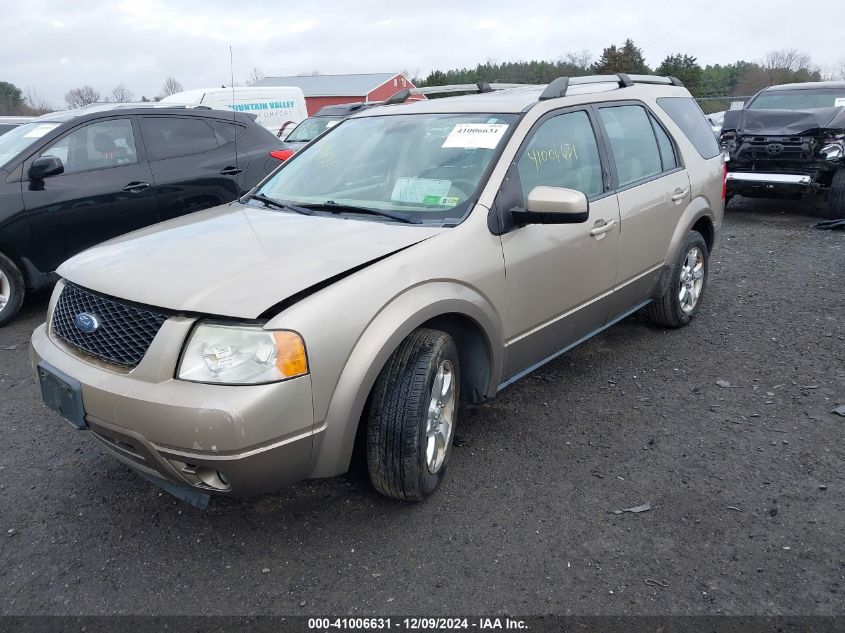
279	204
335	207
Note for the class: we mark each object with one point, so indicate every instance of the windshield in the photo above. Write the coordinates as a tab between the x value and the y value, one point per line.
798	99
426	166
15	141
311	128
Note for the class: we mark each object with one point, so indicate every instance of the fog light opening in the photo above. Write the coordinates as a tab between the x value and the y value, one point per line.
212	478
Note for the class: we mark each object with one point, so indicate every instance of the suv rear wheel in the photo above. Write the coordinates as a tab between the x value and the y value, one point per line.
412	415
680	303
836	198
12	289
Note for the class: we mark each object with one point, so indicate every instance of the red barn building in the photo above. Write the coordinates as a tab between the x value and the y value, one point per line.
323	90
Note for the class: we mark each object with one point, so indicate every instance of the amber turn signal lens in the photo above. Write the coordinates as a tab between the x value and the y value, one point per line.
290	354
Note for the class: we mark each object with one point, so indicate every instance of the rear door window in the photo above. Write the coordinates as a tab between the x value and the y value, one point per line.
686	114
632	142
562	153
168	137
667	148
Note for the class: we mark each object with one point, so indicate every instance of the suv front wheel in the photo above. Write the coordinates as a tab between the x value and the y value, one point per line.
836	197
680	303
412	413
12	289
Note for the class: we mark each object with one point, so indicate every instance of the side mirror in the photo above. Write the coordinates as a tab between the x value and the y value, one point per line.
554	205
45	166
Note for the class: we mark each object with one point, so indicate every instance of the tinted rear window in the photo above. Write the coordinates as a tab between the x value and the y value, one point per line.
686	114
166	137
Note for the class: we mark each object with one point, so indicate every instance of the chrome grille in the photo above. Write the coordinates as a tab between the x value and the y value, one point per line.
125	330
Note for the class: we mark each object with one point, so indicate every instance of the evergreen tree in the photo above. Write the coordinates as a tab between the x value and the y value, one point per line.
685	68
627	59
11	98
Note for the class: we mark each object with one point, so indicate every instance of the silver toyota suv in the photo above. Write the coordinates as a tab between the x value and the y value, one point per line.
410	259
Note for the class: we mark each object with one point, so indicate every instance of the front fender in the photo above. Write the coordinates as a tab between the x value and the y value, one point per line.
408	311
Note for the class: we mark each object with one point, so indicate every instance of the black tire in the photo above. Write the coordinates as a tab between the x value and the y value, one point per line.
16	288
398	413
836	198
667	310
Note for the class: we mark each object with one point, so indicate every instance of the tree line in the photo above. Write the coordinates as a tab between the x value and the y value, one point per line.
741	78
14	101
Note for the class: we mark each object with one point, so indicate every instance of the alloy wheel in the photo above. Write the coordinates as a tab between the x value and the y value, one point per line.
691	280
441	417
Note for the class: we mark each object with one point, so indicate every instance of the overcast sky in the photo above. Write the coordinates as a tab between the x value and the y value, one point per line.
56	45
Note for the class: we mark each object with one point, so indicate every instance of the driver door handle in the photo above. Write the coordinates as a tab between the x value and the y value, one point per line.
230	171
136	187
601	229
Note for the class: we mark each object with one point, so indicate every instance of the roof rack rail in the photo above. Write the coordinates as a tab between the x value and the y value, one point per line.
559	87
481	86
144	104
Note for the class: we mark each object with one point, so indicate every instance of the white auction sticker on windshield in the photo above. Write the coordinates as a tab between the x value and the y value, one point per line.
420	190
839	102
469	135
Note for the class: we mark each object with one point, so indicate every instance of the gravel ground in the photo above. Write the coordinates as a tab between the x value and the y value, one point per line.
746	482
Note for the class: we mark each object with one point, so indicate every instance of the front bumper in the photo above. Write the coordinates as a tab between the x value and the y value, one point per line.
237	441
767	185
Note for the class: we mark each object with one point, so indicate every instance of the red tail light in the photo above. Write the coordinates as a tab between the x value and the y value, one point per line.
724	182
282	154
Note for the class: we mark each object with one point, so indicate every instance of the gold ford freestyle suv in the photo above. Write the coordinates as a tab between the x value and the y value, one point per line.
409	259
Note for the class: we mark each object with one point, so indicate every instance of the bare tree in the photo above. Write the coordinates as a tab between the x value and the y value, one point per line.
789	65
37	103
787	59
578	59
171	87
79	97
310	73
255	76
122	94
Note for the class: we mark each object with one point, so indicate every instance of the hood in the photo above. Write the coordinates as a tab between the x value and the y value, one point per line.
235	260
783	122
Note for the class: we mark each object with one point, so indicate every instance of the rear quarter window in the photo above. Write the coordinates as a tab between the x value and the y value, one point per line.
686	114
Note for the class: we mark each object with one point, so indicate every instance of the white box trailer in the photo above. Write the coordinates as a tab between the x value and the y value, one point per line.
276	107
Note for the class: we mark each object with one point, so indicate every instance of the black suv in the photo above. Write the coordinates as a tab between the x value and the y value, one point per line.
69	180
787	142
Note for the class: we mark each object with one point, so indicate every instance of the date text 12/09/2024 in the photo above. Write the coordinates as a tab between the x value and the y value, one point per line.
415	624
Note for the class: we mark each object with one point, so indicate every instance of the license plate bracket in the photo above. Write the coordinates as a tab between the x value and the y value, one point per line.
62	394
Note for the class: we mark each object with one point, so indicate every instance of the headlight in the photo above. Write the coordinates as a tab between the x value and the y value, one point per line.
242	355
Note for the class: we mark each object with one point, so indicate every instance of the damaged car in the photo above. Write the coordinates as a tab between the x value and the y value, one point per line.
410	259
789	142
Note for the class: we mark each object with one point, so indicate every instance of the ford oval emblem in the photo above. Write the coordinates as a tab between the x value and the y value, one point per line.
86	322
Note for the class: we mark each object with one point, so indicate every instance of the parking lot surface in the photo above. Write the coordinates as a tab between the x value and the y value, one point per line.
725	428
